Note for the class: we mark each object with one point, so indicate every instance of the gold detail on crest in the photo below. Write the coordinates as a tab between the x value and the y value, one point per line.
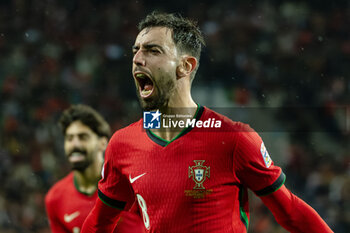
199	173
198	193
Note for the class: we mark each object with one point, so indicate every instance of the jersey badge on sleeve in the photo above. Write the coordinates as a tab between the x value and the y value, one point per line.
265	155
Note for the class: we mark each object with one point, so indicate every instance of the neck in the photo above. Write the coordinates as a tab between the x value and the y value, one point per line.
181	98
180	105
179	108
86	181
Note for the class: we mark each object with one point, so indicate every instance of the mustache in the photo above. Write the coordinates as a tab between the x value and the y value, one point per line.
82	151
140	69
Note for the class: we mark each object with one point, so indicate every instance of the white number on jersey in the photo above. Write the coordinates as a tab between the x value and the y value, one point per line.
143	207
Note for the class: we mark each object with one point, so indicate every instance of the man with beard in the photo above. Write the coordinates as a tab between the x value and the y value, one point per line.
188	178
70	200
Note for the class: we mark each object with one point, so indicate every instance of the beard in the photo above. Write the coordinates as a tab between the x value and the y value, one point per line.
164	90
80	165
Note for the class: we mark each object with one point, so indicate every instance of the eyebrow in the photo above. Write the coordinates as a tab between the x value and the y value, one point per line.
78	134
148	46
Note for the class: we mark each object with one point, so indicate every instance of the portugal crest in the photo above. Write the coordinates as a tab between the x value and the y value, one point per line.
199	173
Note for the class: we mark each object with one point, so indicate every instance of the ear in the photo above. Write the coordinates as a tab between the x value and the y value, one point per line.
103	143
187	65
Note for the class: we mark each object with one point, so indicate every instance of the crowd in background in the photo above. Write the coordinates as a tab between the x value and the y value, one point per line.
288	58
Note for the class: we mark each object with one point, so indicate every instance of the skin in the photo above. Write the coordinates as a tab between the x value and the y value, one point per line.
156	55
79	137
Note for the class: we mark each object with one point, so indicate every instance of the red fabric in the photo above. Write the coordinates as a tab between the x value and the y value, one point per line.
101	219
251	161
130	223
197	182
104	219
293	213
66	207
161	179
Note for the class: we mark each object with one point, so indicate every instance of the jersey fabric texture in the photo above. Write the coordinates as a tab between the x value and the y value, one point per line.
195	183
66	207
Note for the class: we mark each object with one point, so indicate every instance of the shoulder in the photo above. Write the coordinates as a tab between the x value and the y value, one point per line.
123	140
128	131
59	189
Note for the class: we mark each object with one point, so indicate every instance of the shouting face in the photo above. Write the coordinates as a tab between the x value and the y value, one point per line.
154	67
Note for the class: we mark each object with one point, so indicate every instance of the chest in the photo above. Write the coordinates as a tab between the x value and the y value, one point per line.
74	209
183	172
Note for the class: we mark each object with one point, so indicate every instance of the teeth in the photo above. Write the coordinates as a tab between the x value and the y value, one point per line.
76	154
144	92
140	75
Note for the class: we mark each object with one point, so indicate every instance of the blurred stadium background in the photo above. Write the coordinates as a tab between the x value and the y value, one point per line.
262	56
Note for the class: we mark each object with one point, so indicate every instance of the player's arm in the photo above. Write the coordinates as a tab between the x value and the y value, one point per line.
102	218
256	170
293	213
130	221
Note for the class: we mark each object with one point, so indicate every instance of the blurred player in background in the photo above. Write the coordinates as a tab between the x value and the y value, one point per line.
190	179
69	201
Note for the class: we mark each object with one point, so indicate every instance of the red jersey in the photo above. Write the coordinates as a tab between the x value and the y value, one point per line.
195	183
67	208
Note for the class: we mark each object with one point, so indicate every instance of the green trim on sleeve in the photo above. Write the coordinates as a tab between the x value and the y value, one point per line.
111	202
274	187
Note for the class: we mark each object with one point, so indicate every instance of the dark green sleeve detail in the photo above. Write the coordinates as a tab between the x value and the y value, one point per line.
111	202
272	188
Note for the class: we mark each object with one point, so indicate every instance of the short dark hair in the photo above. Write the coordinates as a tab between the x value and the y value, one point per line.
185	32
88	116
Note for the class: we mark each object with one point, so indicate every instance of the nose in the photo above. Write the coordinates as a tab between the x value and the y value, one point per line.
139	58
75	142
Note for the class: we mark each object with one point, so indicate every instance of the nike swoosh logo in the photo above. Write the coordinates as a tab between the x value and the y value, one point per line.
69	217
132	180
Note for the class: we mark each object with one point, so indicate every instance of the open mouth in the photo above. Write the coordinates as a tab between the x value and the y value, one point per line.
146	85
76	157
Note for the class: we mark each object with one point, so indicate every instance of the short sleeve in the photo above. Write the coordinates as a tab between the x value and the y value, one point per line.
114	188
253	165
